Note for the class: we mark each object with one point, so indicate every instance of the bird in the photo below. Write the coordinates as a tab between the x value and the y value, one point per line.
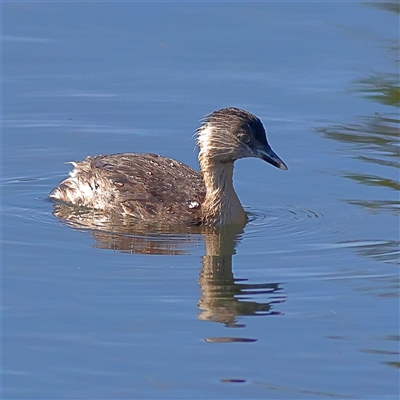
156	189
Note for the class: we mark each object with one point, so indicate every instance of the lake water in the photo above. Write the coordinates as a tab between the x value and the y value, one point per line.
301	304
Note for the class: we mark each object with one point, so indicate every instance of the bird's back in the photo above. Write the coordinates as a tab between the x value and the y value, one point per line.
144	186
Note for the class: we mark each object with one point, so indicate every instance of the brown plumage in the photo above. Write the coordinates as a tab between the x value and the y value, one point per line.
153	188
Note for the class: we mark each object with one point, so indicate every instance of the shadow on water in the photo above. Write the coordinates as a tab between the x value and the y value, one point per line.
224	298
375	139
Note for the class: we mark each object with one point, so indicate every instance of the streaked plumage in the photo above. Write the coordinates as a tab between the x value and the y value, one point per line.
153	188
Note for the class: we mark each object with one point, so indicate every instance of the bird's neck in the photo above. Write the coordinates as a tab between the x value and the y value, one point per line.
221	205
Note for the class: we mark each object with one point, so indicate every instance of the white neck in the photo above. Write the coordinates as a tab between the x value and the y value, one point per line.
222	205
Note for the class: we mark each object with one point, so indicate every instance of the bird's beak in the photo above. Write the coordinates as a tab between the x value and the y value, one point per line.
268	155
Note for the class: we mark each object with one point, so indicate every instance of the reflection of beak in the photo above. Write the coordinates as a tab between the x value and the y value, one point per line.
268	155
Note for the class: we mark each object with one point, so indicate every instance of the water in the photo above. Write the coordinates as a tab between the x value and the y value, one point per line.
303	303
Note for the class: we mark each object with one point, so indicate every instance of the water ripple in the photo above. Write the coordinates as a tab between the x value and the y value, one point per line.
279	224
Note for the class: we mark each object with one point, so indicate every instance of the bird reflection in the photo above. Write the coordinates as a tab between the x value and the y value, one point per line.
127	235
224	298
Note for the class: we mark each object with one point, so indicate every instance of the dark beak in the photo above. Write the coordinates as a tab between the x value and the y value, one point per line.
268	155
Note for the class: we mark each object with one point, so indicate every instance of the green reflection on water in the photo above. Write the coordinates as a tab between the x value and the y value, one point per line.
392	6
389	206
374	180
375	139
382	88
394	364
387	251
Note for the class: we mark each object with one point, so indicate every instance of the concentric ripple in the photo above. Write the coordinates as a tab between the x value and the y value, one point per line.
25	198
279	223
284	229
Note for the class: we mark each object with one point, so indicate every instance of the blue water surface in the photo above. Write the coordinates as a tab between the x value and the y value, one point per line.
304	303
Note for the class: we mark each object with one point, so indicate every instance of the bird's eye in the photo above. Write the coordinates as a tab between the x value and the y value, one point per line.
245	138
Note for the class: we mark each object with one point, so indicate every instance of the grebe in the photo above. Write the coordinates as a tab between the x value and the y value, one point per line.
153	188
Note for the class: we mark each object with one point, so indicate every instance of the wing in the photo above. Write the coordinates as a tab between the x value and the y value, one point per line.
149	187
